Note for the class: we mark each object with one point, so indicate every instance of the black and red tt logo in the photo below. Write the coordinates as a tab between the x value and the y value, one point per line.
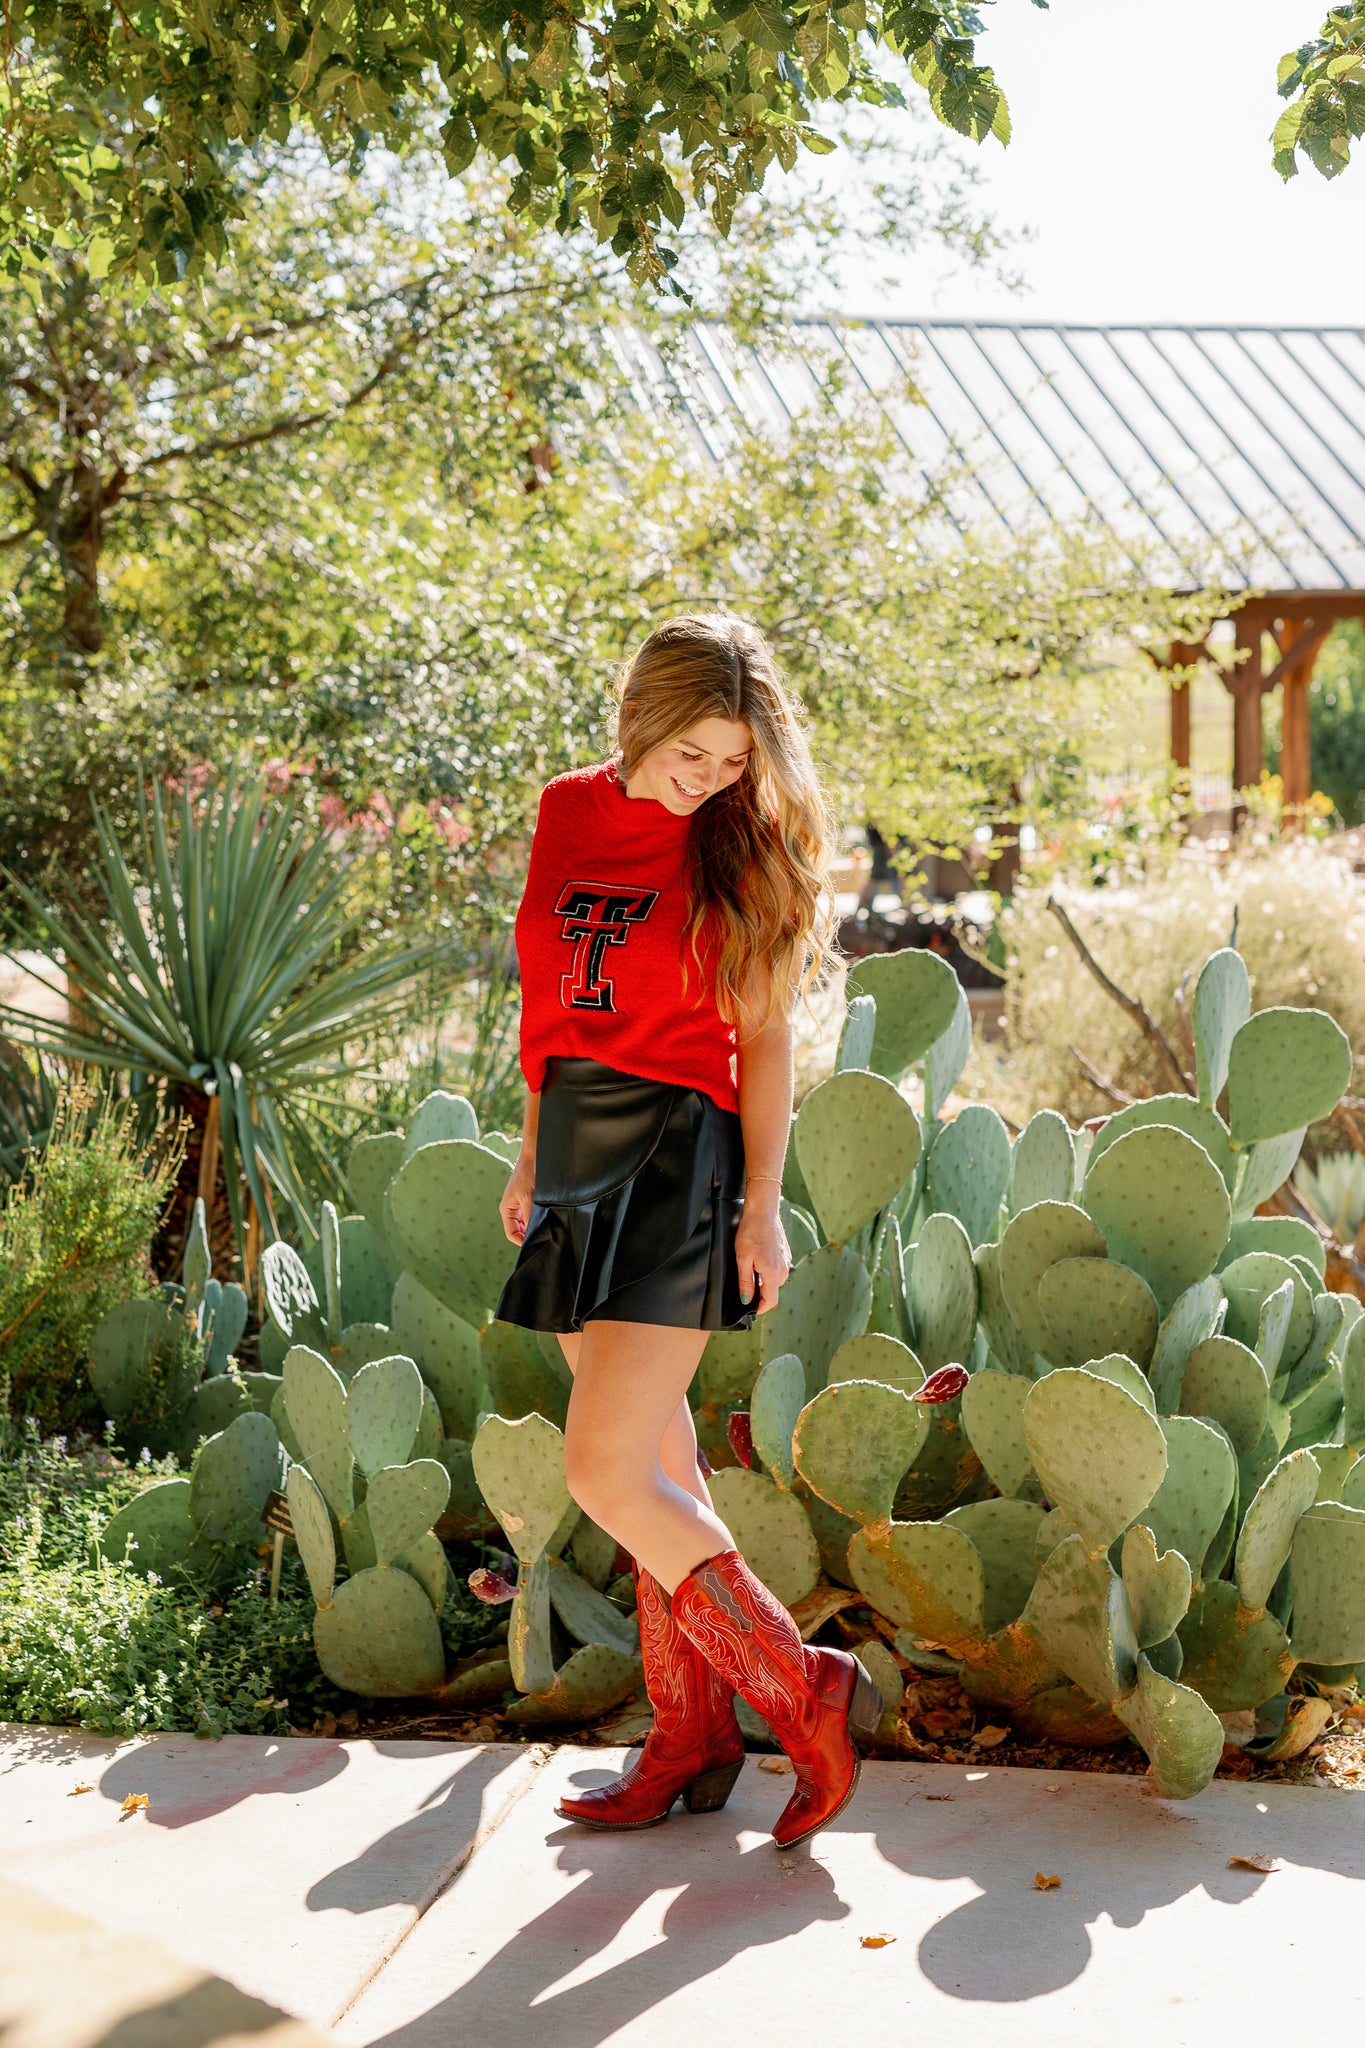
596	916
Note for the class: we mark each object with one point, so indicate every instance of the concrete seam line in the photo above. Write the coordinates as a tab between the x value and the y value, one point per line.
534	1758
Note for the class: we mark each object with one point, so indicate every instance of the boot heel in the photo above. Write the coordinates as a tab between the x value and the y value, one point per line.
709	1792
865	1707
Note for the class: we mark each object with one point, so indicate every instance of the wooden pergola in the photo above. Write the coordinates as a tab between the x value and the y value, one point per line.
1297	622
1231	452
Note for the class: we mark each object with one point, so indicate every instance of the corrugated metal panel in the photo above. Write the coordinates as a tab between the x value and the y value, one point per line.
1237	451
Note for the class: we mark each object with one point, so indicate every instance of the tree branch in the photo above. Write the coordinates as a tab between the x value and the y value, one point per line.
14	540
1097	1080
1135	1008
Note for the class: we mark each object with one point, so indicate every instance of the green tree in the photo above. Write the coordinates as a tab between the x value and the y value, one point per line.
1324	83
124	131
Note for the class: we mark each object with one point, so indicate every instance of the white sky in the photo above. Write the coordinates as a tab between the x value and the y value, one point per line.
1141	160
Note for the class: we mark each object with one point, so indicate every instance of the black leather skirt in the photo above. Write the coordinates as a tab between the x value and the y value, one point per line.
638	1194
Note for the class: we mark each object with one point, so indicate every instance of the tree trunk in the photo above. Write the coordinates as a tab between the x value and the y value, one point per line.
80	539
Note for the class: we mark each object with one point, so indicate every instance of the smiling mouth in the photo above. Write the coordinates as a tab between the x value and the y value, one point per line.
690	796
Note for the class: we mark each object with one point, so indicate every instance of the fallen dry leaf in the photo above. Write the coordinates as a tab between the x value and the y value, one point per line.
1045	1884
876	1941
1266	1865
938	1795
134	1803
990	1738
76	1791
778	1765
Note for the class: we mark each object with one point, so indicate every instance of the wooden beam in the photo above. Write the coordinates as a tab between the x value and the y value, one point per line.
1324	606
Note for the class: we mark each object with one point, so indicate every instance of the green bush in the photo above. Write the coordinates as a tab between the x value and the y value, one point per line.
74	1236
105	1647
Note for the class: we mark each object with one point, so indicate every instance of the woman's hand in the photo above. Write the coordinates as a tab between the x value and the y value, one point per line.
762	1252
515	1206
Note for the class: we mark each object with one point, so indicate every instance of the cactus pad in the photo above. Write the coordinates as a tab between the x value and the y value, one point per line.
771	1530
1188	1508
588	1615
942	1293
1095	1306
1043	1168
1265	1168
587	1684
133	1339
802	1235
1163	1207
1234	1656
857	1139
854	1443
520	1379
1248	1283
993	1417
779	1396
878	1357
858	1035
403	1502
445	1349
825	1299
440	1116
225	1326
1158	1587
1034	1240
380	1637
1081	1611
312	1532
1097	1452
1182	1736
315	1402
1269	1525
153	1531
289	1293
383	1408
1287	1236
364	1277
925	1577
1180	1112
1004	1533
1219	1007
233	1476
1327	1564
916	995
520	1470
441	1215
1121	1372
1193	1317
969	1170
1227	1384
1287	1069
994	1320
946	1057
730	1363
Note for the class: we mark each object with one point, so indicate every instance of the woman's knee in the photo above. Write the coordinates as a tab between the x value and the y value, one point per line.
599	1477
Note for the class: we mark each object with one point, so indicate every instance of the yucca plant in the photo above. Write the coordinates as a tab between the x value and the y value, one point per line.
227	981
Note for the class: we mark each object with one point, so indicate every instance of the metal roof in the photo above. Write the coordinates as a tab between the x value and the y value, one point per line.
1236	452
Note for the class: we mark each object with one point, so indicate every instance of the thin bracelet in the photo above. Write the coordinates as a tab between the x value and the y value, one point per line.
776	1178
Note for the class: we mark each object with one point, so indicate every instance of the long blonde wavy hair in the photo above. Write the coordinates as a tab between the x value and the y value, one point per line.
761	849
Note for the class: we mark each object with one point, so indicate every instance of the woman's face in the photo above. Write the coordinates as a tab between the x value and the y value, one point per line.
709	756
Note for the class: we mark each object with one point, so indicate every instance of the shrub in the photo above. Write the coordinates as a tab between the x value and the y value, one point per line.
74	1236
1301	929
105	1647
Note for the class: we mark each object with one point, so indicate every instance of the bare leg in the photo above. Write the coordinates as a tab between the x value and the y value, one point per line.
678	1451
629	1383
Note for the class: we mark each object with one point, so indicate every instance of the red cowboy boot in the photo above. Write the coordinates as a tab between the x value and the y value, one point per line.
818	1702
694	1748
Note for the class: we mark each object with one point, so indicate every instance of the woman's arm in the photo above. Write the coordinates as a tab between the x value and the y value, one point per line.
515	1206
764	1067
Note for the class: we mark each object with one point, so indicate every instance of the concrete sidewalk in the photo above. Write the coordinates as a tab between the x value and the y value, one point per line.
419	1895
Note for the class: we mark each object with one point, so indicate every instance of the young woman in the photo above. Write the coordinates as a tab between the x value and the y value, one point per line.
675	905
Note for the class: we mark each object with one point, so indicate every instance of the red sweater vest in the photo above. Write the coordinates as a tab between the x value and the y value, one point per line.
600	939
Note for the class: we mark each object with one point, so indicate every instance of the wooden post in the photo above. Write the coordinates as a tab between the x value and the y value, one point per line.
1296	749
1248	745
1180	726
